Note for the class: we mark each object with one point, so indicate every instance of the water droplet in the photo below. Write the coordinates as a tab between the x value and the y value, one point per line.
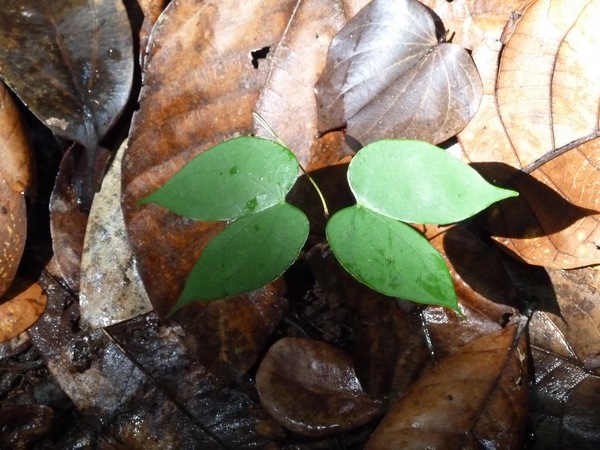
251	205
233	171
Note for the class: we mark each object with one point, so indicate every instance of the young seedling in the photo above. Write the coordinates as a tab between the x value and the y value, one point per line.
245	181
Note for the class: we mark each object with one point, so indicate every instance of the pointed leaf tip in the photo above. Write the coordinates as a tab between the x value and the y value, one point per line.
242	176
390	257
417	182
249	253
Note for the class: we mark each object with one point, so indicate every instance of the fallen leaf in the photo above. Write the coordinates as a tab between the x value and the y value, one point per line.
137	398
179	117
310	388
469	22
21	310
565	393
474	398
111	289
387	76
554	140
287	102
74	58
15	151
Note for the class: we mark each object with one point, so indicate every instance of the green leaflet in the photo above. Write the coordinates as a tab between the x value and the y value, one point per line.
390	257
249	253
235	178
418	182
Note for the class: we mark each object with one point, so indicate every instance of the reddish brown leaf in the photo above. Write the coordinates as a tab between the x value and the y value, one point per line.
179	117
21	311
15	150
310	388
15	173
474	398
287	102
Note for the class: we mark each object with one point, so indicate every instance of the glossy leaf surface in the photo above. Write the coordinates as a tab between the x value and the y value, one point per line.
249	253
310	387
71	62
388	75
390	257
418	182
236	178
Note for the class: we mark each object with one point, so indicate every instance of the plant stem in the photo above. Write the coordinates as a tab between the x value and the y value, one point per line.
270	131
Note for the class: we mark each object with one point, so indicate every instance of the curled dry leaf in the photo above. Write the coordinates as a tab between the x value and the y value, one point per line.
543	120
388	76
474	398
310	388
21	311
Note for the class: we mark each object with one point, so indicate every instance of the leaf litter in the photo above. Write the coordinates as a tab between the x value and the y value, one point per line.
228	354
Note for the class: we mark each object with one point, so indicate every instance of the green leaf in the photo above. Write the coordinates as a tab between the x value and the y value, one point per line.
415	181
249	253
238	177
390	257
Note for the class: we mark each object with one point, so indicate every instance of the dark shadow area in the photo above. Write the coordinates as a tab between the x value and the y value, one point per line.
537	211
333	183
496	275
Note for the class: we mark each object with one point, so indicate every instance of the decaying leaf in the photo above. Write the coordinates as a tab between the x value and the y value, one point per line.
388	76
310	388
111	289
137	385
21	310
70	62
566	392
474	398
543	120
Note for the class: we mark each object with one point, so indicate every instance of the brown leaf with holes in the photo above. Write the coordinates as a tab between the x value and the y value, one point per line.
180	116
310	388
474	398
541	117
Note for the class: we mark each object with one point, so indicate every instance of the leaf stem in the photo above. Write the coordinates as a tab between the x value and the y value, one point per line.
263	123
319	192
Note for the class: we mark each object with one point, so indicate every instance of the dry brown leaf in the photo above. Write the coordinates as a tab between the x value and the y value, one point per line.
566	392
287	102
180	116
474	398
21	311
310	388
388	76
15	176
546	99
469	22
15	152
